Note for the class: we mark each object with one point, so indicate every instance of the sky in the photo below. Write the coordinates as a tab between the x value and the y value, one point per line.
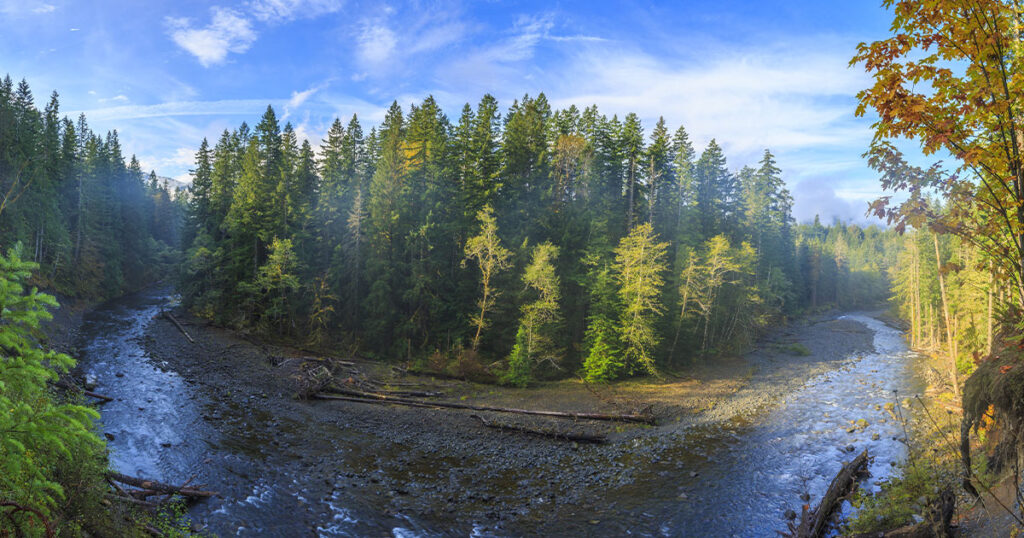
752	74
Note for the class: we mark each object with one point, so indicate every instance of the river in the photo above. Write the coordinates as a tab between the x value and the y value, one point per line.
729	479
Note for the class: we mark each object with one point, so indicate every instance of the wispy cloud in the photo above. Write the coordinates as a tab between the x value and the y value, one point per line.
786	97
115	99
228	31
21	7
376	43
299	98
285	10
228	107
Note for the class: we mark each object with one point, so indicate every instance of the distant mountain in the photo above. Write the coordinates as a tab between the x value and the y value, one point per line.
172	184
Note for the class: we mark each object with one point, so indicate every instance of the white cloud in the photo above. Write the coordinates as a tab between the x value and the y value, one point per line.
818	197
116	99
284	10
299	98
19	7
787	98
228	31
376	43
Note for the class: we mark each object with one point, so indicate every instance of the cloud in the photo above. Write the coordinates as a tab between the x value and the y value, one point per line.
299	98
228	31
818	197
376	43
20	7
755	100
271	11
227	107
115	99
181	159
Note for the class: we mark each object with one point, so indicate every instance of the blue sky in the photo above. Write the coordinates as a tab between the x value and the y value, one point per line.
752	74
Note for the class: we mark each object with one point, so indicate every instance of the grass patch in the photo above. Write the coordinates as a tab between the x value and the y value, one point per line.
796	349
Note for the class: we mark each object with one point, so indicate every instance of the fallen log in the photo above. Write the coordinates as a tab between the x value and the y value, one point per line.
812	523
68	386
564	436
132	500
158	487
370	397
383	392
322	360
178	325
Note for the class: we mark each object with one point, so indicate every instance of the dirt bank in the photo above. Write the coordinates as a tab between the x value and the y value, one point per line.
442	467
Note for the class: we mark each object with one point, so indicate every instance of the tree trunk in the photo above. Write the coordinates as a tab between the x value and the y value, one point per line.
947	321
991	284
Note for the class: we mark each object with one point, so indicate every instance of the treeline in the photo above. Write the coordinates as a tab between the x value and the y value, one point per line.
536	241
95	225
947	291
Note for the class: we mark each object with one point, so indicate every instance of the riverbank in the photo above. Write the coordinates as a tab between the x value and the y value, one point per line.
441	470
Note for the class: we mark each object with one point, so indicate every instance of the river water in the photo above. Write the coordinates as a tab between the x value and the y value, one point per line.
731	479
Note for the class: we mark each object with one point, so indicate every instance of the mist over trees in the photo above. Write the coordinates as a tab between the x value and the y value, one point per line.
528	243
94	223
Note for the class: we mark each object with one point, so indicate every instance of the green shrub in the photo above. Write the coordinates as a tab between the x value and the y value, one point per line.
520	367
38	436
604	359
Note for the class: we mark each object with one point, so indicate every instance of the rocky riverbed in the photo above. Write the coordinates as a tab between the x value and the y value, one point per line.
737	443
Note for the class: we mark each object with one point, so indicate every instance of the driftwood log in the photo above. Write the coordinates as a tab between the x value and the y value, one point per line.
381	391
152	487
178	325
370	397
813	522
75	388
564	436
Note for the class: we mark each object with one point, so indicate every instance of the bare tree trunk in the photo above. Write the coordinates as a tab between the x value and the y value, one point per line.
991	283
632	188
947	321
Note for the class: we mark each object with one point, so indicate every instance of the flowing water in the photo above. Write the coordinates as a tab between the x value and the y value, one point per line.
732	479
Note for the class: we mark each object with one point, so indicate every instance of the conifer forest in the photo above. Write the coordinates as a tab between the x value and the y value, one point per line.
458	273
